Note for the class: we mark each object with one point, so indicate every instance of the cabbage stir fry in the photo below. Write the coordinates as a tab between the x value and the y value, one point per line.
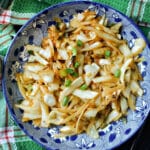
82	77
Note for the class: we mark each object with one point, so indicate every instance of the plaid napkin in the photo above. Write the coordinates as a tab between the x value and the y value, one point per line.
19	12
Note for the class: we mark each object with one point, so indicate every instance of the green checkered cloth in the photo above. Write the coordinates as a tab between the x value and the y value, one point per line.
18	12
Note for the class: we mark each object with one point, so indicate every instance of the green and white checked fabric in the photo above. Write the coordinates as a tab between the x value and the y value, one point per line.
137	10
7	32
11	136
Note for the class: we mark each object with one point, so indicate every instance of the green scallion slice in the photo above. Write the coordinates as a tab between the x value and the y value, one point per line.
79	43
77	64
107	53
75	74
74	51
70	71
67	83
65	101
84	87
117	73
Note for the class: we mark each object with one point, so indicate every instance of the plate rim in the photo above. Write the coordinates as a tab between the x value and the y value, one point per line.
50	8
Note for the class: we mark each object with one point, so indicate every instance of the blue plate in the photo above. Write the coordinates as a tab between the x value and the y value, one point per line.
32	33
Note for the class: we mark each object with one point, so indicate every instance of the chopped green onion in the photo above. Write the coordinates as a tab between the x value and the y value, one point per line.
74	51
75	74
30	52
70	71
79	43
67	83
117	73
63	73
107	53
84	87
65	101
77	64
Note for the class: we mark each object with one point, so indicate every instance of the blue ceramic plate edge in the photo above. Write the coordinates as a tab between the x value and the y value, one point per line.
28	22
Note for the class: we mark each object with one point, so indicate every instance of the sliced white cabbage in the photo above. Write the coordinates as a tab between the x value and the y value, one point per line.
113	116
124	68
55	117
90	72
44	114
50	100
30	75
125	50
102	20
34	67
102	79
35	88
92	35
104	62
92	132
25	103
47	76
27	108
82	37
75	84
80	17
81	61
48	52
30	116
123	105
39	59
92	46
135	88
33	48
128	75
63	54
115	28
98	101
90	113
127	91
53	87
45	53
85	94
51	47
139	45
31	111
113	105
66	129
131	102
32	58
